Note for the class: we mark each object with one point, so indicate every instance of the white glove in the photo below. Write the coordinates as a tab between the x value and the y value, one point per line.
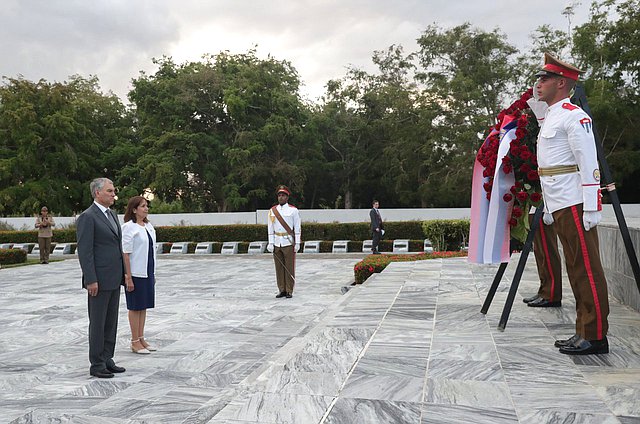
538	108
270	247
547	218
590	219
297	248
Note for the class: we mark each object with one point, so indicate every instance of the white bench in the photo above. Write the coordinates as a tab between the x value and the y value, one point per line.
367	246
257	247
340	246
179	248
62	249
400	246
204	248
24	246
6	245
428	247
229	248
312	246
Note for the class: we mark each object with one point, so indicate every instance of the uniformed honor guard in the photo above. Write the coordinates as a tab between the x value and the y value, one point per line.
545	250
284	241
570	180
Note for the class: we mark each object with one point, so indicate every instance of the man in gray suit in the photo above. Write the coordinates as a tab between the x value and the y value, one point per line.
100	254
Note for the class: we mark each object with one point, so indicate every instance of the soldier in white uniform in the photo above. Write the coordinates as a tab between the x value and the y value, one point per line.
570	180
284	241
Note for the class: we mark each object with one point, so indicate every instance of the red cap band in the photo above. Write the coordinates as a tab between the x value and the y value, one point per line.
560	70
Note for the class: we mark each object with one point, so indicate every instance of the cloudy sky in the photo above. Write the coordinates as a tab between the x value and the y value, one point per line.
116	39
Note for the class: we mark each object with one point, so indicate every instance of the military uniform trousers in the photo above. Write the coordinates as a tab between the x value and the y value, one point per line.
586	276
545	250
284	258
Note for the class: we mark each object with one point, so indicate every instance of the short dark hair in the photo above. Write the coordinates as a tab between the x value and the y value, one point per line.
134	202
374	201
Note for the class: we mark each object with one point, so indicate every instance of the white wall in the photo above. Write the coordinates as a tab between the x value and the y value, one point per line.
631	213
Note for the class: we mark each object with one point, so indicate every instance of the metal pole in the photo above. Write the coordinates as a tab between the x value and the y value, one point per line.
494	287
520	268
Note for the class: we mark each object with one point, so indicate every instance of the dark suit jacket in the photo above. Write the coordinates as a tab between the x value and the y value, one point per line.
376	220
99	249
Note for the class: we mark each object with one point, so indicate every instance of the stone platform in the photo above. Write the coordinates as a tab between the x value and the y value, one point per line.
408	346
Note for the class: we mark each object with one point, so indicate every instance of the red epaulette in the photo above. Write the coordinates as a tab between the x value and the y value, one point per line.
569	106
292	206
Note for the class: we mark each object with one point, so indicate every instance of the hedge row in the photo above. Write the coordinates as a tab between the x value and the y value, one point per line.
12	256
453	232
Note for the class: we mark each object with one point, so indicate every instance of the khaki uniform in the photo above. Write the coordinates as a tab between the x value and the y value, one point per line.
45	233
284	245
566	140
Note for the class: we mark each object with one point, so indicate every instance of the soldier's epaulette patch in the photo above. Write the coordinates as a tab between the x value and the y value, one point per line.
569	106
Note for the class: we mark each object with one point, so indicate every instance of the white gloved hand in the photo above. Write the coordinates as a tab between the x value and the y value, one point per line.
297	247
547	218
270	247
590	219
538	108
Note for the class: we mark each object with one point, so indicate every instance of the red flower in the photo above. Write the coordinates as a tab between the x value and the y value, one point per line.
533	175
525	168
525	154
507	169
513	189
489	196
487	187
506	160
516	212
518	184
520	133
535	197
507	197
522	196
513	222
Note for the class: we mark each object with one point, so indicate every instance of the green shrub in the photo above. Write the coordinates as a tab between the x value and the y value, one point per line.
377	263
12	256
447	234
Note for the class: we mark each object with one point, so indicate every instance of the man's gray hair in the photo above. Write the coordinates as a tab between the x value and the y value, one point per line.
97	185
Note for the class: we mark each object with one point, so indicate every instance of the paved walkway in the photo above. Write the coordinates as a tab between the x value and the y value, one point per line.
408	346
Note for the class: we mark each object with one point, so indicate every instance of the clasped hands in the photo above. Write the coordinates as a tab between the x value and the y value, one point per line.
270	247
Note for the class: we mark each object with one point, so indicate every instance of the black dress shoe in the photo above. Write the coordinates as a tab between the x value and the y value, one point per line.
566	342
281	294
101	374
586	347
544	303
531	298
289	295
116	369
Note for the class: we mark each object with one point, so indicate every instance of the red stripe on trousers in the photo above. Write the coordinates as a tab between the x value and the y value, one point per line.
545	248
587	266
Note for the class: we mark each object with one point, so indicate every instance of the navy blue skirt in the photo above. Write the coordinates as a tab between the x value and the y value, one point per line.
143	295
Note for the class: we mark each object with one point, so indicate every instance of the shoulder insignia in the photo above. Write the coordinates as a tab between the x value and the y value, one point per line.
292	206
586	124
569	106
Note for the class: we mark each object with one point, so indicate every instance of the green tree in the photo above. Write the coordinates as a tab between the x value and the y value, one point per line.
54	138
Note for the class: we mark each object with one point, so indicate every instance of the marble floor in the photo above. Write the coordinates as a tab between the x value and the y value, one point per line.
408	346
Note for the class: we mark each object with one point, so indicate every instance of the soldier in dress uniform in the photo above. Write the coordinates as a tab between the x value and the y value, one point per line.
570	180
284	241
545	250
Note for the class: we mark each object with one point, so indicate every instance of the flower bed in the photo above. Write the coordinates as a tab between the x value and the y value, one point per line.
377	263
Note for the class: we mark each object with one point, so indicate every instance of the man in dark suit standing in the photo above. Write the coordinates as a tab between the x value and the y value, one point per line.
100	254
377	227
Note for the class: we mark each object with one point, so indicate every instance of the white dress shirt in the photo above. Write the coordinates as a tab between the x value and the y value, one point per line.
566	138
277	234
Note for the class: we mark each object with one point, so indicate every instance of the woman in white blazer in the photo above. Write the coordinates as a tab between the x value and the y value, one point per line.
138	246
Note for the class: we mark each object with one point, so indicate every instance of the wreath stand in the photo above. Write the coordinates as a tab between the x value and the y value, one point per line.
579	98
